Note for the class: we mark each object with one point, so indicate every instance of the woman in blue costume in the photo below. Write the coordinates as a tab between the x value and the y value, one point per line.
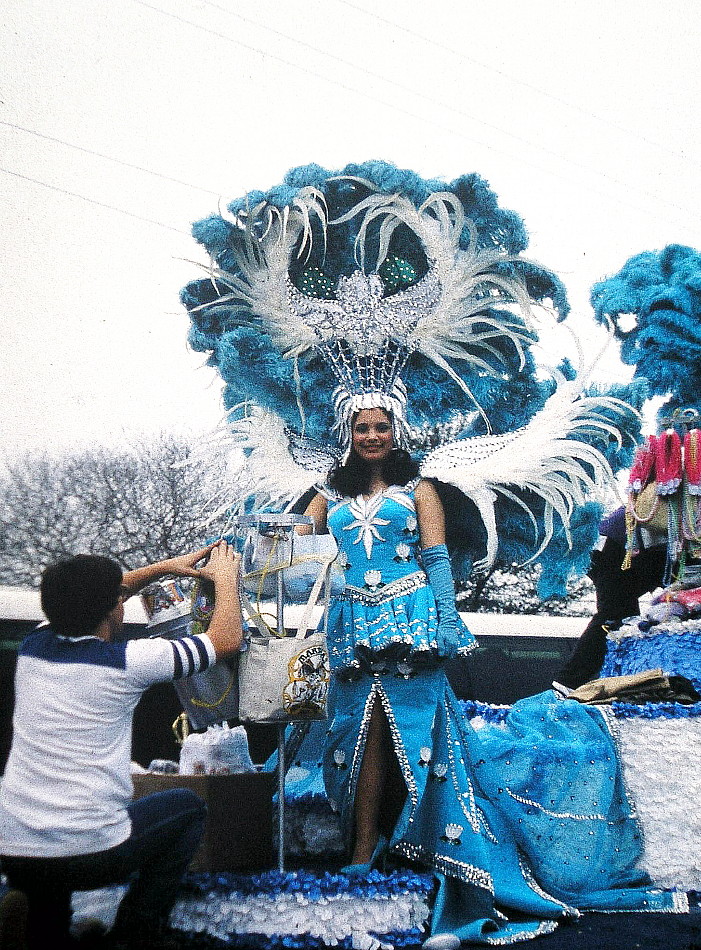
523	822
393	625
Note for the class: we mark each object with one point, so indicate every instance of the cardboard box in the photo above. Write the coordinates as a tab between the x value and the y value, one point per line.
239	830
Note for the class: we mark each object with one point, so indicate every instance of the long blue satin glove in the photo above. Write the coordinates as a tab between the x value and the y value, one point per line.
437	566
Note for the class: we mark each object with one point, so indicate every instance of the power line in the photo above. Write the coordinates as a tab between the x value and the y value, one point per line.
93	201
310	72
300	68
437	102
397	108
108	158
518	82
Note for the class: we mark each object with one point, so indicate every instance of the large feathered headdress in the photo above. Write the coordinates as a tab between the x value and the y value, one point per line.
452	307
341	291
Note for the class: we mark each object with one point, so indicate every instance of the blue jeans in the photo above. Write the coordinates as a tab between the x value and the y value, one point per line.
166	830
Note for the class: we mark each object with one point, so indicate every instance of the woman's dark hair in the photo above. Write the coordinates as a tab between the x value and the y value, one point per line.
353	478
78	593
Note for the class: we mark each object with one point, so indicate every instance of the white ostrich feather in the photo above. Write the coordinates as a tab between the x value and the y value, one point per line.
268	238
468	281
265	463
542	457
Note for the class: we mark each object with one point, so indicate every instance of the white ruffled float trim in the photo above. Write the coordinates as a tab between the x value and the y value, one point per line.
662	774
672	628
371	912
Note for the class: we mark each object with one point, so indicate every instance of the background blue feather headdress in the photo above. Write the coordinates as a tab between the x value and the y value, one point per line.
654	304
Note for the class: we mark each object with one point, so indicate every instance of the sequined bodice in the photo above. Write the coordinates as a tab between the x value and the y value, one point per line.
378	537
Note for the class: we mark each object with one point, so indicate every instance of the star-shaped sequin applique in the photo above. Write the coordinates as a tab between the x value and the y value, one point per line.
366	521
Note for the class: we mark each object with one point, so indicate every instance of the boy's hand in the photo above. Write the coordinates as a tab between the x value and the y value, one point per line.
223	563
185	564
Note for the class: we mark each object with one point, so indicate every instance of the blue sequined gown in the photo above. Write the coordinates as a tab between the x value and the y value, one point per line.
493	812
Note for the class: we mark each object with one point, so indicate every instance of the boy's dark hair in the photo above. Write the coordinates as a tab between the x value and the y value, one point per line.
79	592
353	478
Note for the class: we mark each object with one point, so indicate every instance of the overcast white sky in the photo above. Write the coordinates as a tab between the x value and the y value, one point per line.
123	121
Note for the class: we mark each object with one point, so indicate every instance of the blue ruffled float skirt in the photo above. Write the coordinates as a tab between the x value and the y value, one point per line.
523	822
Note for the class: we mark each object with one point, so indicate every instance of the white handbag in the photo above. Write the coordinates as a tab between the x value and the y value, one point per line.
285	679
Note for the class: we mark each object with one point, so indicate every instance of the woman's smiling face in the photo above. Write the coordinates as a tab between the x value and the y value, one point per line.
372	435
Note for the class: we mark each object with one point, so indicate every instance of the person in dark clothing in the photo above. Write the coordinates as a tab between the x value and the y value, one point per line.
617	594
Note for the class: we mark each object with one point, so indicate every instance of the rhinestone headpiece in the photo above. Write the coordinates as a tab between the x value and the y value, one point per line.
366	339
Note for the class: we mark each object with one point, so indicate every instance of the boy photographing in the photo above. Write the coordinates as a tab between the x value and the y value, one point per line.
67	819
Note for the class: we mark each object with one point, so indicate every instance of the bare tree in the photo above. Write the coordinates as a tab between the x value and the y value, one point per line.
136	506
512	589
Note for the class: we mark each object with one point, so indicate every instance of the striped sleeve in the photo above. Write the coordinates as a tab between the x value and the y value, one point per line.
190	656
157	659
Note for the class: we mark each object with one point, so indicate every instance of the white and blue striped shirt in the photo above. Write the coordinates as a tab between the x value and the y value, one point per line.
67	783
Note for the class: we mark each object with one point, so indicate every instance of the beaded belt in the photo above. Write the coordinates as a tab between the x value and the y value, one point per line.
372	597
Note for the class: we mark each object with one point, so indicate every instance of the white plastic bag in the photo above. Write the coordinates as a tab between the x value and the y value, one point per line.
218	751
